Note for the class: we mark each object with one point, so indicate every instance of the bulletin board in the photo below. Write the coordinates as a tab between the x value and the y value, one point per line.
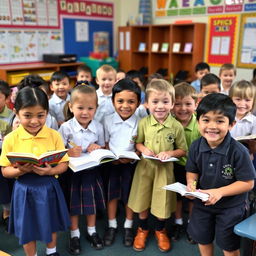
221	39
247	43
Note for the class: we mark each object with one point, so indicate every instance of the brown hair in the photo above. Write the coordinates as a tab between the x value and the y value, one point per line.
184	89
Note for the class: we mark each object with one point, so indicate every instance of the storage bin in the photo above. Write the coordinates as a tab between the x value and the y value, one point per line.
14	78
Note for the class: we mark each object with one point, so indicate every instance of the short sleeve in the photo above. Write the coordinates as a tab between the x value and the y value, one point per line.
141	131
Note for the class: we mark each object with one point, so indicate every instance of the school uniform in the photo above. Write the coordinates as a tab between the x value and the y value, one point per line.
85	188
6	115
56	105
227	163
105	106
244	126
38	206
223	91
151	175
51	122
120	135
196	85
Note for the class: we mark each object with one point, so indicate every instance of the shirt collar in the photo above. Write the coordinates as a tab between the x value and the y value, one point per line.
249	117
130	121
191	126
43	133
78	127
221	149
167	123
101	94
57	99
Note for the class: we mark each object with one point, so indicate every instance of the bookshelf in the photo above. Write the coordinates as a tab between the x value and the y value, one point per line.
168	34
18	71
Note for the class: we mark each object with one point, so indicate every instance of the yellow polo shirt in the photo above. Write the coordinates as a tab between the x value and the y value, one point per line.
20	140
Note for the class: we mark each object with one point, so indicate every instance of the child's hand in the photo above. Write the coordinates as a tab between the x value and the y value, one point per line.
148	152
214	195
75	151
47	170
92	147
164	155
25	168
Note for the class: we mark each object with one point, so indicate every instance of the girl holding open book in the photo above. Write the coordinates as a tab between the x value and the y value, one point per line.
81	134
38	207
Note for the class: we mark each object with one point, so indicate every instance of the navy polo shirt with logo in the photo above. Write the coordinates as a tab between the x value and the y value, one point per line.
221	166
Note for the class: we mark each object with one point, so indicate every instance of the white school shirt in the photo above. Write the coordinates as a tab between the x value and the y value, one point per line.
245	126
105	106
51	122
56	105
120	134
72	131
223	91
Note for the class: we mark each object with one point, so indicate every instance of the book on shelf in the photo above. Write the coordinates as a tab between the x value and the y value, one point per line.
155	47
176	47
246	137
188	47
171	159
142	47
165	47
51	157
97	157
182	189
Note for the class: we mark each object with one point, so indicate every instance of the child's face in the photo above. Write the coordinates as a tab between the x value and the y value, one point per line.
243	106
84	76
227	77
159	104
126	103
201	73
210	88
184	108
106	81
2	101
84	108
61	88
214	127
119	76
32	118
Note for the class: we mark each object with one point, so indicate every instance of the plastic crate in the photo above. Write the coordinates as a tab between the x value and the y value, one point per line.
14	78
94	64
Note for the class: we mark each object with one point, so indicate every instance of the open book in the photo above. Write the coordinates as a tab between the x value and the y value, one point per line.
247	137
171	159
182	189
97	157
51	157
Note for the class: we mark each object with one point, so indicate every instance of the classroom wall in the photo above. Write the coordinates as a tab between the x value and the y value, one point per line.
130	8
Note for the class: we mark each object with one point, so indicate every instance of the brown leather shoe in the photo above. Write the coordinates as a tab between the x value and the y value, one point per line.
163	241
139	242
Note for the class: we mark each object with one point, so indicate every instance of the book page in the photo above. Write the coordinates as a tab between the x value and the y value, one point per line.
127	154
100	154
171	159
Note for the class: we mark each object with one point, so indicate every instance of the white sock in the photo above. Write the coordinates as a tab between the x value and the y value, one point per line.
50	250
36	254
179	221
75	233
112	223
188	220
128	223
91	230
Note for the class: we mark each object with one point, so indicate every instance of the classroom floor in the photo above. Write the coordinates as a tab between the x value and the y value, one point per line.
9	243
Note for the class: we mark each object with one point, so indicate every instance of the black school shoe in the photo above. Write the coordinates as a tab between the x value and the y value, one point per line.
178	229
189	239
53	254
95	241
6	224
109	236
74	247
128	237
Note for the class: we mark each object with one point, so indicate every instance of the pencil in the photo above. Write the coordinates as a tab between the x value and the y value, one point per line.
72	144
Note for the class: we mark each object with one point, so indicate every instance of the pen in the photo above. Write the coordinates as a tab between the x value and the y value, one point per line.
194	184
72	144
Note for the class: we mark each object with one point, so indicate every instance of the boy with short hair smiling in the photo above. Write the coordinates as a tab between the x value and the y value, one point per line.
201	69
227	75
223	169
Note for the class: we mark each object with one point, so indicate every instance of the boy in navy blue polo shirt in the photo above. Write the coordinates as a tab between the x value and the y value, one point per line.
221	166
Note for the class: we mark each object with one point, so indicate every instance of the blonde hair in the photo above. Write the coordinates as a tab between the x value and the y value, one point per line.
243	89
160	85
227	66
105	68
184	89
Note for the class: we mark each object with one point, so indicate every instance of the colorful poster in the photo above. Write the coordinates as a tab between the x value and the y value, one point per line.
41	10
56	42
53	13
16	49
17	12
4	55
221	39
29	12
30	45
43	43
5	12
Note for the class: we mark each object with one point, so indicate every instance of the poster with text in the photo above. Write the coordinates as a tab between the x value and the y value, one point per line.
221	39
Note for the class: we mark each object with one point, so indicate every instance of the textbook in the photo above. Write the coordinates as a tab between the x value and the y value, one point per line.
182	189
97	157
171	159
247	137
51	157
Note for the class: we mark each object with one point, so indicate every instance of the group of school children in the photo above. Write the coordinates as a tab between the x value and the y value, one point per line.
196	123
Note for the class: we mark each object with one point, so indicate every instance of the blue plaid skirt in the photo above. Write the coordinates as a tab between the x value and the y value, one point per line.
38	208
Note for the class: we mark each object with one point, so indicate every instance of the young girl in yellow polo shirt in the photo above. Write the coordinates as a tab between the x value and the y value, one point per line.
161	136
38	207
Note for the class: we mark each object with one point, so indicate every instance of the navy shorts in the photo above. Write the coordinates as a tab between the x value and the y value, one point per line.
207	223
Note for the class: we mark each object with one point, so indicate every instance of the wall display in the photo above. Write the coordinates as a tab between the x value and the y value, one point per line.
221	39
168	8
247	44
